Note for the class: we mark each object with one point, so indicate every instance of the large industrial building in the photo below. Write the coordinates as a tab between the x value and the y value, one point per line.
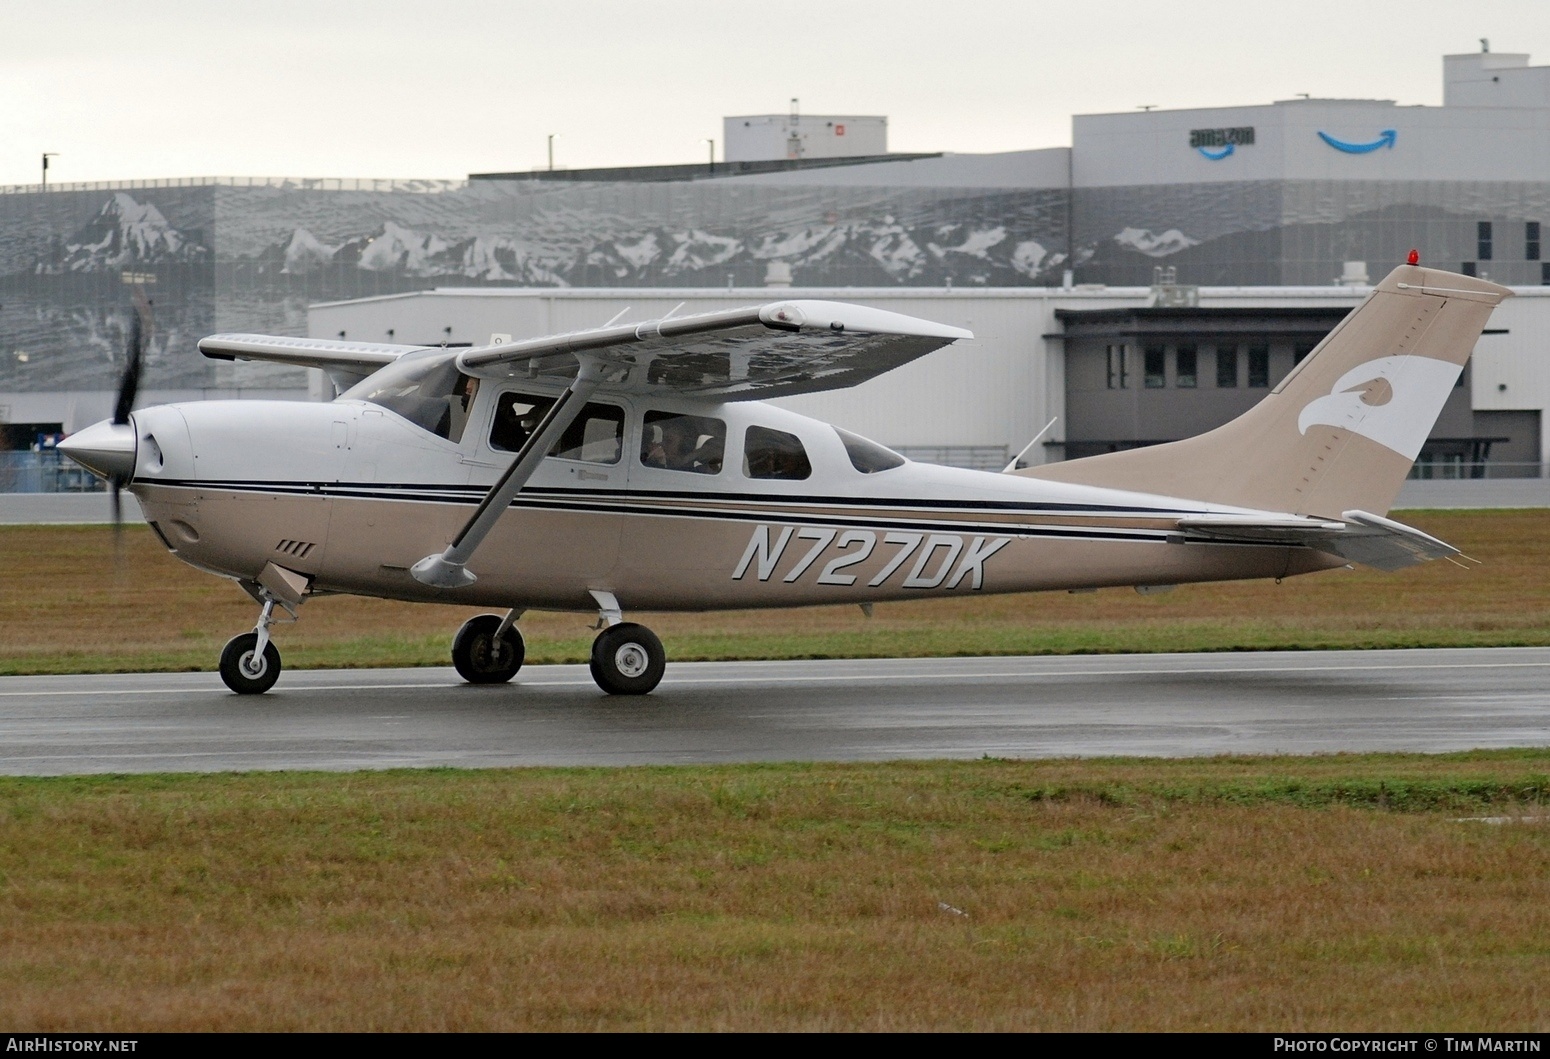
1292	205
1112	367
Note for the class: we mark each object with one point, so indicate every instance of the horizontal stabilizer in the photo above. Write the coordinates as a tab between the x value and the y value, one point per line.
1360	536
1388	545
1285	530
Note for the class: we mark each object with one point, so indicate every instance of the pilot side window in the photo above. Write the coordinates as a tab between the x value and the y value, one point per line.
428	391
676	442
596	435
774	454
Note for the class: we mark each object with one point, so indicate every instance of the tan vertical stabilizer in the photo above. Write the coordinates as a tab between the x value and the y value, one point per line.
1342	430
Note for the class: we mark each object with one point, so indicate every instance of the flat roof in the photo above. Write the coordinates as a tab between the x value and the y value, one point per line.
647	174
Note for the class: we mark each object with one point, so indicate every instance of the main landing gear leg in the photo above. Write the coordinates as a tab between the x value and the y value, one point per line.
627	659
489	649
250	663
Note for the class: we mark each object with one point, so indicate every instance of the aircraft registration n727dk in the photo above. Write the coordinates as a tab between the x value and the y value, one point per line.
637	466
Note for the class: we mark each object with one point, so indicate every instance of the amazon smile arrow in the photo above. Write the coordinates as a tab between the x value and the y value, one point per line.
1385	139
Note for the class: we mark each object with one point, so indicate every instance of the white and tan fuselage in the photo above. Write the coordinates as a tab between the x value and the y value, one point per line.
350	496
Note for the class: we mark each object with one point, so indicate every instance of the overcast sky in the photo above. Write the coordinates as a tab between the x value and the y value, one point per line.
442	88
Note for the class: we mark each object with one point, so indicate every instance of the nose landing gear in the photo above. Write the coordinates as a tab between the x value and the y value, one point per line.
489	649
250	663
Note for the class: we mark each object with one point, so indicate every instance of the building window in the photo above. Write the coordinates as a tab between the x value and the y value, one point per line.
1544	274
1184	368
1300	352
1483	240
1468	268
1226	367
1531	241
1259	367
1155	361
1118	377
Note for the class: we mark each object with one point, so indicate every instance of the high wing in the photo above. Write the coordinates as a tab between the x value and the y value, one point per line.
347	363
763	351
1360	536
773	350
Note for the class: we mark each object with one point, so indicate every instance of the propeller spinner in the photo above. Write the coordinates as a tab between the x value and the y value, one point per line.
108	448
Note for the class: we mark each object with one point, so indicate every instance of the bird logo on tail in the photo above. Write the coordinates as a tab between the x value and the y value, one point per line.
1392	400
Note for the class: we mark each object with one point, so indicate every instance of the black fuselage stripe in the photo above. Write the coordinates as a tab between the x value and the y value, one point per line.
629	505
478	492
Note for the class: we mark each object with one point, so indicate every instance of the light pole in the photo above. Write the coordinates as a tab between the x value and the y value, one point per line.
552	135
712	144
46	156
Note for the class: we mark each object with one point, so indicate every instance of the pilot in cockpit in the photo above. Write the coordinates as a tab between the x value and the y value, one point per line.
459	401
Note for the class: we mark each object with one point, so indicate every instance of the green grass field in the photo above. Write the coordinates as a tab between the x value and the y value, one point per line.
1335	893
68	605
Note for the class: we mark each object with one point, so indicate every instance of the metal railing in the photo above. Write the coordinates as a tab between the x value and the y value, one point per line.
1445	470
426	187
45	472
974	457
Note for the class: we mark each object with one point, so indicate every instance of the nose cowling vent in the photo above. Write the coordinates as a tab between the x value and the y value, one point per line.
295	549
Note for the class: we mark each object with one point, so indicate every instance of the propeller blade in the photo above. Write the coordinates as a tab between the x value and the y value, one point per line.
115	485
130	381
128	387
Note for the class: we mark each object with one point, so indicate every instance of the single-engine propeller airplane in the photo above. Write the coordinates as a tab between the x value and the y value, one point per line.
637	466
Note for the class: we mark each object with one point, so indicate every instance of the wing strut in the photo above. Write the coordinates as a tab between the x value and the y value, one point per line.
448	569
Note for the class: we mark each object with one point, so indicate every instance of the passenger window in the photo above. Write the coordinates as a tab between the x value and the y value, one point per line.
774	454
868	457
517	415
683	443
596	435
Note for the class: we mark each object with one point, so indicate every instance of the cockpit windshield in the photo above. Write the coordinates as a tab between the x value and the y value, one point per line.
427	390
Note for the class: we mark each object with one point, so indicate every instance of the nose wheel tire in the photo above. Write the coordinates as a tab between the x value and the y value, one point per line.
244	670
627	659
480	658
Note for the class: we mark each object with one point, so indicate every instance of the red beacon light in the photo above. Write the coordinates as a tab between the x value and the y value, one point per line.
1414	258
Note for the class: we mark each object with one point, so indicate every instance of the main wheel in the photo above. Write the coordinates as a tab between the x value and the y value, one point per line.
244	670
627	659
480	658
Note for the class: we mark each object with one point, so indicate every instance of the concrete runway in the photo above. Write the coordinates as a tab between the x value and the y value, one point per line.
1169	705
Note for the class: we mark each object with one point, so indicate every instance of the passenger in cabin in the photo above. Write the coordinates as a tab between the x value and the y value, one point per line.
695	444
674	446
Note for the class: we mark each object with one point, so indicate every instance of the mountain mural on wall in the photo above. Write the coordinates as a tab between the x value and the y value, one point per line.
890	252
884	238
124	232
253	257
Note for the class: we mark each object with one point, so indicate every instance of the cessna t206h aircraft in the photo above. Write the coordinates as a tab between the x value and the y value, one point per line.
634	466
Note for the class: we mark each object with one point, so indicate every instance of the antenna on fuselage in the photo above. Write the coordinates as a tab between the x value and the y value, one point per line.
1013	465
